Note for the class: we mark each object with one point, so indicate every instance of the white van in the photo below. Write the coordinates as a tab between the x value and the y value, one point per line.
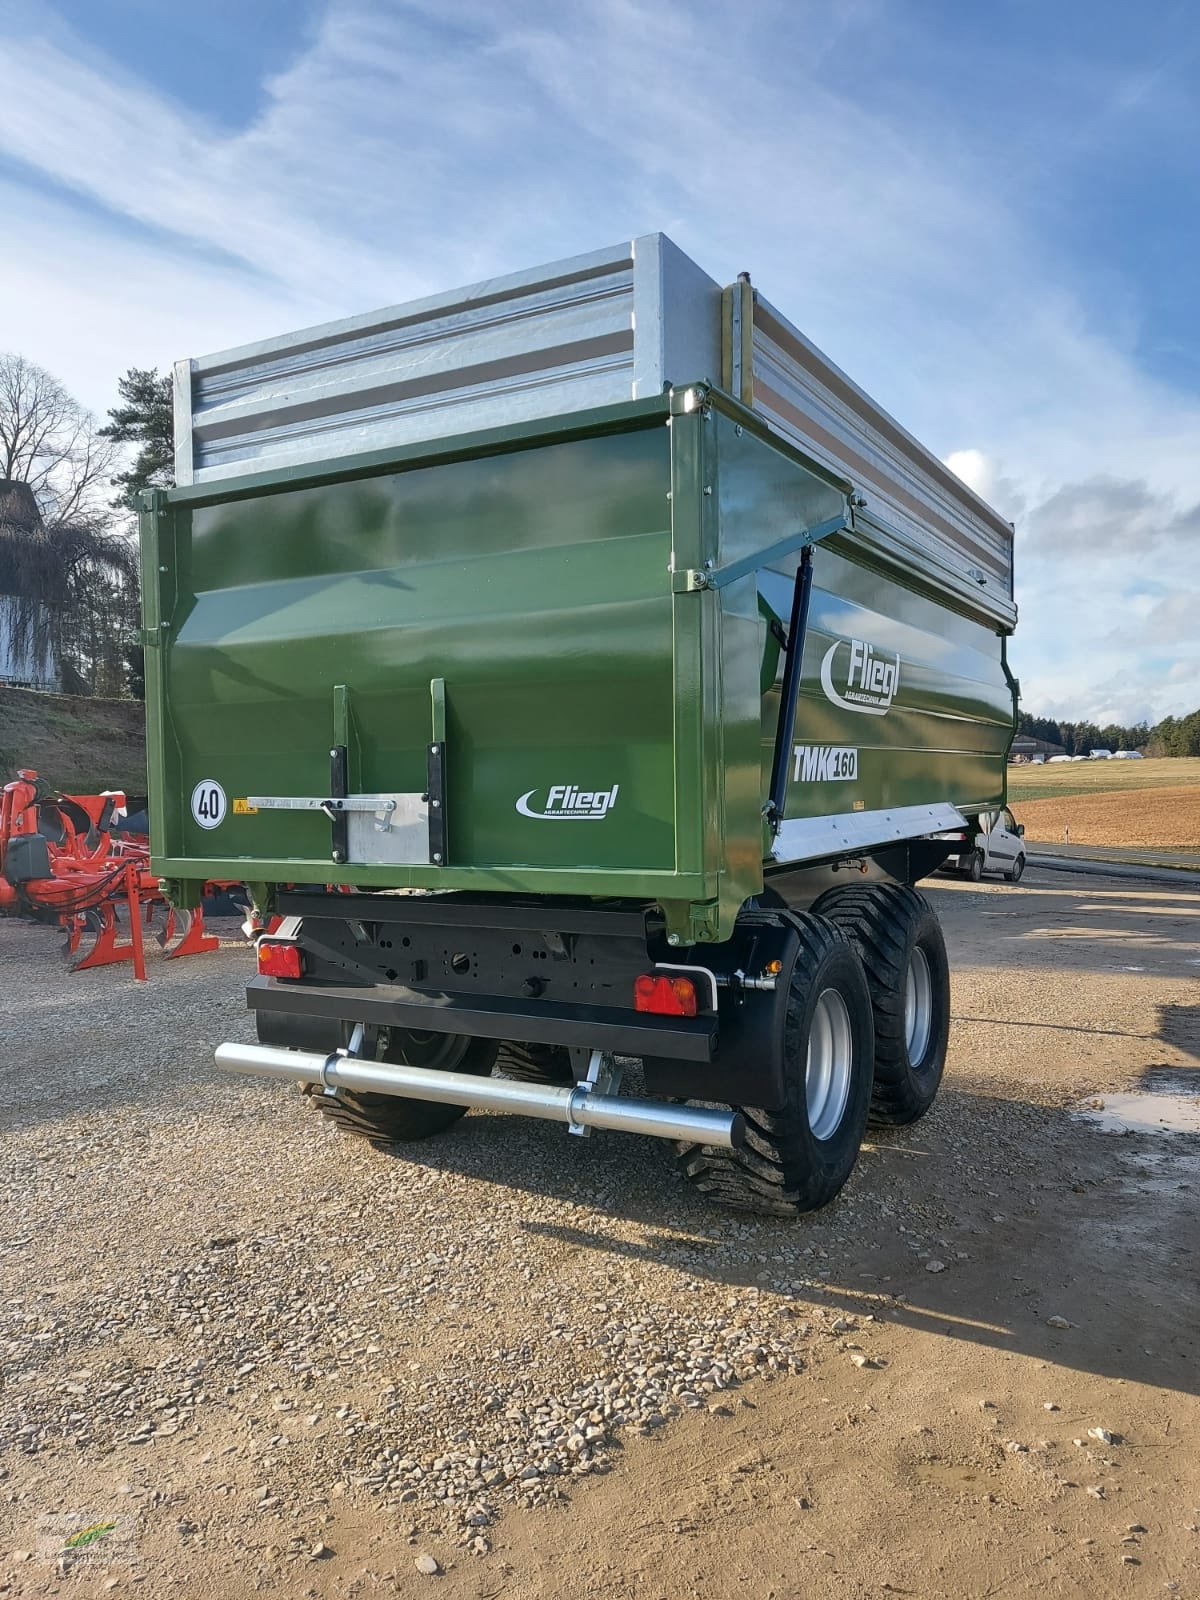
998	845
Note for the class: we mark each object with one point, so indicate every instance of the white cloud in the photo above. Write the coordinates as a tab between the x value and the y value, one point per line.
87	302
415	146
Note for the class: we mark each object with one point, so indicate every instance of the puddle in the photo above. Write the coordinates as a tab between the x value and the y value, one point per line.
1142	1113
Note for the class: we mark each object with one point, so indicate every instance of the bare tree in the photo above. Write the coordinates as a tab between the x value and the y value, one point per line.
50	442
68	571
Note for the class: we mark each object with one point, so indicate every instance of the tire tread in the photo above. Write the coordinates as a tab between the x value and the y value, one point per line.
879	918
768	1175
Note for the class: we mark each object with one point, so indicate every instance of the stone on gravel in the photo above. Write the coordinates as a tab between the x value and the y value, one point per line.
934	1265
427	1564
1058	1322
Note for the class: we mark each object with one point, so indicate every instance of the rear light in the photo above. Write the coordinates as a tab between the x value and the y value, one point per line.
665	994
277	960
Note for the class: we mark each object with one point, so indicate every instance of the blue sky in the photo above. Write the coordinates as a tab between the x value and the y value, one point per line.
986	214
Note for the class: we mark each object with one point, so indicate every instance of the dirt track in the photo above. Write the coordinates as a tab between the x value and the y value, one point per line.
156	1217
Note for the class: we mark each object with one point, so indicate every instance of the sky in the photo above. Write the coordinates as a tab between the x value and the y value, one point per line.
986	214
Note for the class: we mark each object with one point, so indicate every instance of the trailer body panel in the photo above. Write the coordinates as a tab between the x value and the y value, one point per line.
584	623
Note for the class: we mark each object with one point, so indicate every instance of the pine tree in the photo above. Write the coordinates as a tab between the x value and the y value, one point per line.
145	417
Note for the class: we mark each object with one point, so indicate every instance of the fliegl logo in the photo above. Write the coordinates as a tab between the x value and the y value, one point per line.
564	800
870	682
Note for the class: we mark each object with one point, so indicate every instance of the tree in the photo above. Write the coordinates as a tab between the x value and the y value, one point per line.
145	418
50	442
73	599
68	572
1173	736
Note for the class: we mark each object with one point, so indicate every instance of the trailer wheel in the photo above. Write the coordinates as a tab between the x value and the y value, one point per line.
900	941
797	1158
535	1063
385	1119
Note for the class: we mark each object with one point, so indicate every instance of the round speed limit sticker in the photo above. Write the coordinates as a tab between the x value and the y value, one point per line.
208	803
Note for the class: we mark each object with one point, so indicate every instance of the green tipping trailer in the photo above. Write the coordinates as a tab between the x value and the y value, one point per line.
438	582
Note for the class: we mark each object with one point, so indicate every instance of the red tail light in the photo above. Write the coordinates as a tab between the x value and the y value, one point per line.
277	960
665	994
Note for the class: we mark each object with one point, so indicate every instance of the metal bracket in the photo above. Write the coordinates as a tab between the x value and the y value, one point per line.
339	783
435	794
354	1048
603	1077
688	580
802	539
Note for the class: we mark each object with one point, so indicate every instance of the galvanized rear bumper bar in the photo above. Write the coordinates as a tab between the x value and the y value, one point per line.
580	1107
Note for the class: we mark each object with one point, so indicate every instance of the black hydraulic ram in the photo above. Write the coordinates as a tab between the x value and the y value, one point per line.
793	663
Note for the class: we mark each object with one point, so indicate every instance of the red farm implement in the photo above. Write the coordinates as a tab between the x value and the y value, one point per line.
72	859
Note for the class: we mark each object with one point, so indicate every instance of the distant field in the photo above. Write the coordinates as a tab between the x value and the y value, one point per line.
1139	804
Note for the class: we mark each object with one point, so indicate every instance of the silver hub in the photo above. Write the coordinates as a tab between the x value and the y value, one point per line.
830	1064
918	1006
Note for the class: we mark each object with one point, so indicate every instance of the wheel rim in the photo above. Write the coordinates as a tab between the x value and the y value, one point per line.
918	1006
830	1064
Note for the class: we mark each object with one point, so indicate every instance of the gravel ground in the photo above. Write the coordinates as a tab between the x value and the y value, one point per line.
273	1358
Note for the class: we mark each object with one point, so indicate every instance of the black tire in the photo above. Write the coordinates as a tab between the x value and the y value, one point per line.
535	1063
975	866
1018	869
385	1119
784	1169
887	923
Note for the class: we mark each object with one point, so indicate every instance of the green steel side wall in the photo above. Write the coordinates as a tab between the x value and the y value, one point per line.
533	574
946	733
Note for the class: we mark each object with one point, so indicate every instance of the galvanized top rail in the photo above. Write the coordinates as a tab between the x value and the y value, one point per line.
596	330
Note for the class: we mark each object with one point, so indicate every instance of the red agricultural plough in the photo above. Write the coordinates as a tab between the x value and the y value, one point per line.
73	859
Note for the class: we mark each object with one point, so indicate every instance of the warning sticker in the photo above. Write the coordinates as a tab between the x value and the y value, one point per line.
243	808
